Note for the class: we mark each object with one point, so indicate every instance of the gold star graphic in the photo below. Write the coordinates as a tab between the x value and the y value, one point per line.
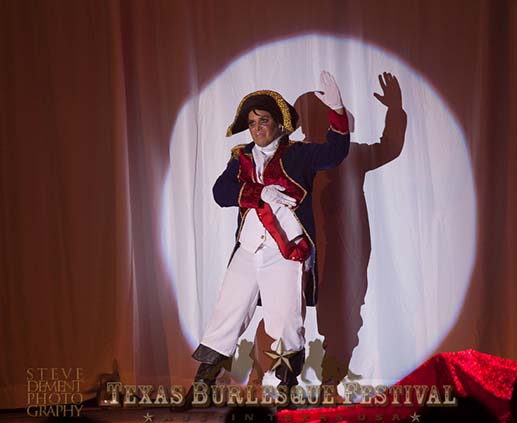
148	417
415	417
280	356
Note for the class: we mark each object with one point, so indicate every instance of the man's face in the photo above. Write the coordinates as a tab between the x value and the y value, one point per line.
263	128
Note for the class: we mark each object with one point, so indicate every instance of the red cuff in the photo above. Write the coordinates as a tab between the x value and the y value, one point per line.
249	197
338	123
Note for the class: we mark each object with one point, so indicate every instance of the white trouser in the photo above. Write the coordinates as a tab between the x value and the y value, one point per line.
279	282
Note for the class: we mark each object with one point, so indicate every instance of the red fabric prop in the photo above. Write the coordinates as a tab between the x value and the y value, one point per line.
482	384
290	250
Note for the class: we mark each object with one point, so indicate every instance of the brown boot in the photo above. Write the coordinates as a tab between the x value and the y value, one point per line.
289	378
211	365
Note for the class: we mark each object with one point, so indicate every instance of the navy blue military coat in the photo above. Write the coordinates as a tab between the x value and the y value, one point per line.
300	161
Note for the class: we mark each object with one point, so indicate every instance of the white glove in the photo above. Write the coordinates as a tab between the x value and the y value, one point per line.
272	194
330	95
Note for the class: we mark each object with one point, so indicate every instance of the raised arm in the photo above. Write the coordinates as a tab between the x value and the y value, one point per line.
335	149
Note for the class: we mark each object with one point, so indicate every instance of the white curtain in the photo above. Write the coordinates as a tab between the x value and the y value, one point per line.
421	206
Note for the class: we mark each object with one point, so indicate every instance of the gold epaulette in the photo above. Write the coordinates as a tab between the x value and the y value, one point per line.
236	151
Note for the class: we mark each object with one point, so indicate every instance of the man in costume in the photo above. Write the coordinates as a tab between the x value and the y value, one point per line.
270	180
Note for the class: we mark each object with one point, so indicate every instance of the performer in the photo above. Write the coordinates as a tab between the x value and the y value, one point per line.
270	180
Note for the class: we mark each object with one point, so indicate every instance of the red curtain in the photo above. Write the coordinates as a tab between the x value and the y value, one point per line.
89	93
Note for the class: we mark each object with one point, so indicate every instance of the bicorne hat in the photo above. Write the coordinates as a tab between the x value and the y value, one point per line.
267	100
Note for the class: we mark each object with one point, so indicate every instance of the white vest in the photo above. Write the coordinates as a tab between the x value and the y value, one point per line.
253	234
